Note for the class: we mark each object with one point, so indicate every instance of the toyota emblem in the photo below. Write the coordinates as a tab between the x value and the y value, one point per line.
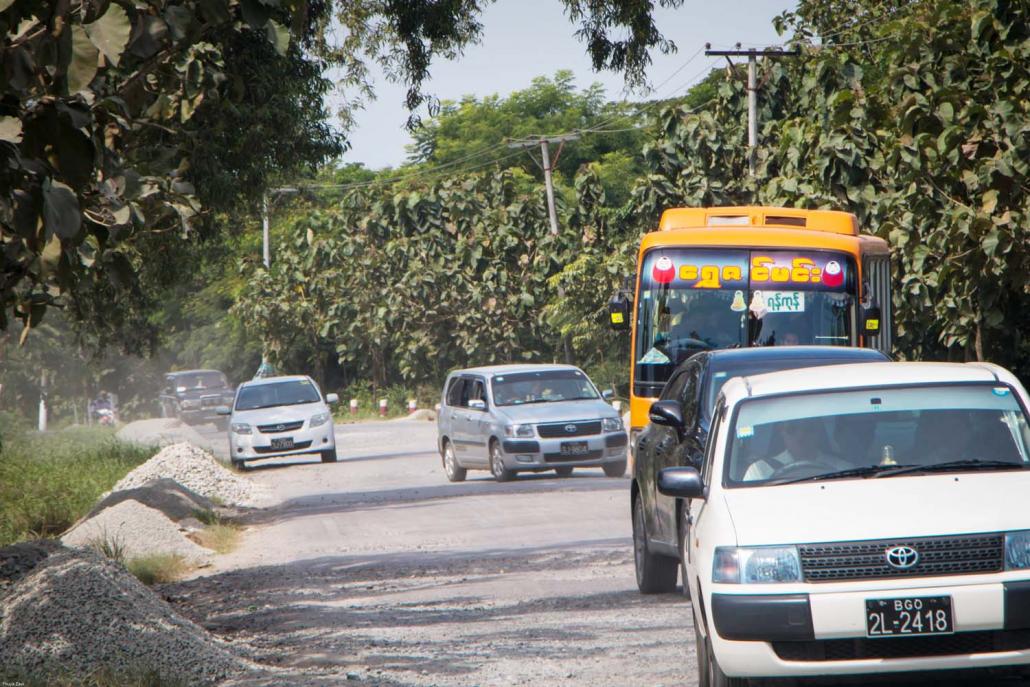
902	557
280	428
570	428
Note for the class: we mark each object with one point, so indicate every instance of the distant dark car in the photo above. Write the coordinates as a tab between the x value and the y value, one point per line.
678	432
193	395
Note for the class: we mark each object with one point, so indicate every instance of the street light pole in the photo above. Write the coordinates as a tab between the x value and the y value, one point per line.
266	254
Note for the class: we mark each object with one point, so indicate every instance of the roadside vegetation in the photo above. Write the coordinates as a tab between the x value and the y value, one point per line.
49	481
157	568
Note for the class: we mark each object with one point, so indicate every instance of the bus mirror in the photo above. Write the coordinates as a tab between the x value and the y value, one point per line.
871	319
618	311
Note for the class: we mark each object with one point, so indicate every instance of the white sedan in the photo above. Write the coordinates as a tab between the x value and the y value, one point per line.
860	519
280	416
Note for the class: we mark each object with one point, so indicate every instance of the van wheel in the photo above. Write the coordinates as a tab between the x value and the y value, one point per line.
563	472
497	469
656	574
709	672
454	472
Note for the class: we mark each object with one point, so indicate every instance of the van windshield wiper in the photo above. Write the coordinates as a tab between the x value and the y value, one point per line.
864	471
965	464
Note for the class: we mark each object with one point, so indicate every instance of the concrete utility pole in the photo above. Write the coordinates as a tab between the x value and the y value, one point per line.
752	56
545	153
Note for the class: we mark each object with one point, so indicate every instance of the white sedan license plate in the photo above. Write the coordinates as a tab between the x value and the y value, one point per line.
282	444
926	615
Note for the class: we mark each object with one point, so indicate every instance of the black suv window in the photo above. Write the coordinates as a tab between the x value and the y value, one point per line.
688	395
674	387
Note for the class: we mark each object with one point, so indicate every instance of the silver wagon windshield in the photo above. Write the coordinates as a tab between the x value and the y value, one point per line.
879	432
542	387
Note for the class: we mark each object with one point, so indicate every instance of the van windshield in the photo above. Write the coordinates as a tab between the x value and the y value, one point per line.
542	387
293	392
878	432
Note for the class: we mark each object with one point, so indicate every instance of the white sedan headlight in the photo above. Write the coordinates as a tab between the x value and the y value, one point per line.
319	419
611	424
757	565
1017	550
518	431
241	428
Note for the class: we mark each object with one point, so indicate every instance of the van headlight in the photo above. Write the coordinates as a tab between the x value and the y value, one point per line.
240	428
190	404
1017	550
611	424
518	431
319	419
756	565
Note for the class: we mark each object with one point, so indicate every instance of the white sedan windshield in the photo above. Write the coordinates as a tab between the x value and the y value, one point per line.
289	393
877	432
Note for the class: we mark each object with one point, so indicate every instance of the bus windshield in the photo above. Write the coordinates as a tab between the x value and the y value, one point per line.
692	300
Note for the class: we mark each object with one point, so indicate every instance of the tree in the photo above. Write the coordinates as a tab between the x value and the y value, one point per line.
111	88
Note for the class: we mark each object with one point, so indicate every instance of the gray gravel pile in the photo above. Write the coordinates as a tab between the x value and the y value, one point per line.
76	613
166	495
138	530
198	471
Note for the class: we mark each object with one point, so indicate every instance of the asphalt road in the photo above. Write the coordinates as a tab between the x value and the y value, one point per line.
377	570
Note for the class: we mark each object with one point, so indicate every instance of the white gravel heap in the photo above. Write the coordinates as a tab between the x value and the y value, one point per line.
139	530
198	471
76	613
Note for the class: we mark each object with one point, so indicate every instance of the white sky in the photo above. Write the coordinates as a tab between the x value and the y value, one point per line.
523	39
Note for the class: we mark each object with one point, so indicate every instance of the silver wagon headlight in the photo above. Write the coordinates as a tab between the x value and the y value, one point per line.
611	424
519	431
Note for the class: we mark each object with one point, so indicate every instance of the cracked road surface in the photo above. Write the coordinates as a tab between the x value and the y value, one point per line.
377	570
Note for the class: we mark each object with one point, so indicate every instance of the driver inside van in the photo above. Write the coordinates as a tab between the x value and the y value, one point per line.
804	442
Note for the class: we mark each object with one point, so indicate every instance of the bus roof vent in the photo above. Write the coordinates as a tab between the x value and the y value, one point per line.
787	221
721	220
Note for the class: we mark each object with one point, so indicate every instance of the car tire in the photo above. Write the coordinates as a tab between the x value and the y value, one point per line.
683	531
564	471
240	465
715	676
454	472
329	456
497	469
656	574
704	677
615	469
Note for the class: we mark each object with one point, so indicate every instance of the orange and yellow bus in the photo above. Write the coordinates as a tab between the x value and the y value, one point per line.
749	276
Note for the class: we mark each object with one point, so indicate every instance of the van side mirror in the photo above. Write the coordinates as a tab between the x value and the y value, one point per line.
619	311
668	413
223	410
608	394
681	483
477	404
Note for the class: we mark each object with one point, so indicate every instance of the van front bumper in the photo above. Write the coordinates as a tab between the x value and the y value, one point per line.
546	454
824	633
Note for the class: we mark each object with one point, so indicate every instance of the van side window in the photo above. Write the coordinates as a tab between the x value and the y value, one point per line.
454	391
477	391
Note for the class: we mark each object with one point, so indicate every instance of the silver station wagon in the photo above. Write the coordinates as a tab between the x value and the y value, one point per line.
527	418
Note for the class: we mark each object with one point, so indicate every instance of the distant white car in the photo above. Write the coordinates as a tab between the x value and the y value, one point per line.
280	416
859	519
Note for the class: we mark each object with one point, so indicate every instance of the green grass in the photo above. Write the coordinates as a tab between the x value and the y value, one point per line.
48	481
221	537
157	568
57	676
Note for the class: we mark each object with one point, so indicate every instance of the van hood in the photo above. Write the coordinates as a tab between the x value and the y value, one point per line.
557	411
886	508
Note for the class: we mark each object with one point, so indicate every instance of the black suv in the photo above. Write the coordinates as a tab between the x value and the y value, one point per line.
678	432
193	395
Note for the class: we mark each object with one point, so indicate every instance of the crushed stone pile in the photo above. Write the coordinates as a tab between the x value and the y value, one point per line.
200	472
159	432
75	613
138	530
166	495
